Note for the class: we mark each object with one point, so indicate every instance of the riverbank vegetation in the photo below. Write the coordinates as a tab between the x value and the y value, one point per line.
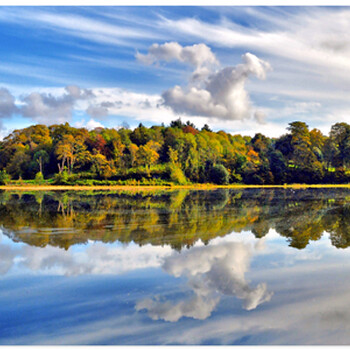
176	154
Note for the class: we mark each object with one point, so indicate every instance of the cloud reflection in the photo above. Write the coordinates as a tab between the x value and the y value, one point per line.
310	305
7	257
95	258
211	271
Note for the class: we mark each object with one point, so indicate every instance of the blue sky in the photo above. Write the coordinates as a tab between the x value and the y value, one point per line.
241	69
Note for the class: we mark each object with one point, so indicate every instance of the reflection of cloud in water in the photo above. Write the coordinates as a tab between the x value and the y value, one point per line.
211	271
97	258
6	259
311	305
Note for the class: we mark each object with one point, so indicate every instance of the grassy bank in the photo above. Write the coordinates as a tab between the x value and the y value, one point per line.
32	187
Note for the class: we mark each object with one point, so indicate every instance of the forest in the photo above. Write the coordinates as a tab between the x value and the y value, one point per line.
176	154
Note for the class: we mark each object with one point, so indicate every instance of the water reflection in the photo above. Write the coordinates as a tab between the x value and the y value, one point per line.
144	268
210	272
175	218
95	258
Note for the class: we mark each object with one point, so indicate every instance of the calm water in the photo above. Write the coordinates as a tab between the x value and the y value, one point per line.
175	267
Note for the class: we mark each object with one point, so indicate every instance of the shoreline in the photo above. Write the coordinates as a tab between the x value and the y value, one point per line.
153	187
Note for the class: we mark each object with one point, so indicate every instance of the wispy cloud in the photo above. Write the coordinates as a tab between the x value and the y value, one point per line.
103	32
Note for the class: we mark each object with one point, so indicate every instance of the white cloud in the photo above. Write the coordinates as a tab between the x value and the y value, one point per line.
223	96
299	38
311	44
218	94
102	104
121	102
90	125
198	55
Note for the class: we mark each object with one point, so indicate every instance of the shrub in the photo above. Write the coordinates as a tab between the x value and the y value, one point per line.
62	178
4	178
39	177
219	175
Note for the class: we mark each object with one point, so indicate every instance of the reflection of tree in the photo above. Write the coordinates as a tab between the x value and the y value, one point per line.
211	272
177	218
301	224
337	223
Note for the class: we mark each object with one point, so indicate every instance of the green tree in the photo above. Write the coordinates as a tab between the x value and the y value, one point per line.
42	158
19	162
219	175
140	136
206	128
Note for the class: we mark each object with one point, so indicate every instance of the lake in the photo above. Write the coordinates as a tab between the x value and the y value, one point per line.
247	266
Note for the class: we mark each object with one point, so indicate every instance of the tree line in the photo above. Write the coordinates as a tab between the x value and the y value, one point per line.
179	153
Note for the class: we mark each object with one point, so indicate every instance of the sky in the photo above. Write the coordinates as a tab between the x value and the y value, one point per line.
239	69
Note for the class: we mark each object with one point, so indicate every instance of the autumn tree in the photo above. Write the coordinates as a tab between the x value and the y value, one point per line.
147	154
64	151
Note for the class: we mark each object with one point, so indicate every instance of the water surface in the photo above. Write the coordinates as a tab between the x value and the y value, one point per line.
253	266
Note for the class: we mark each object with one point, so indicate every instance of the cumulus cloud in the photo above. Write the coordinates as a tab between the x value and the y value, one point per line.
211	272
57	105
197	55
90	124
138	106
223	94
7	104
219	94
210	93
48	108
102	109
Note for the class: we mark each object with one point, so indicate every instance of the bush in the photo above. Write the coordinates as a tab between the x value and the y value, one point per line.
235	178
4	178
39	177
62	178
219	175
